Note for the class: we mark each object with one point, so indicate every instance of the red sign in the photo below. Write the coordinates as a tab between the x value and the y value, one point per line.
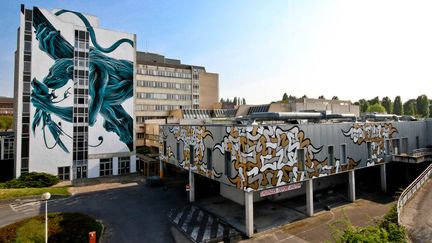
92	237
277	190
187	187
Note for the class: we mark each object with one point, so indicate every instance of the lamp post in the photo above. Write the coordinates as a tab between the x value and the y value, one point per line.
46	196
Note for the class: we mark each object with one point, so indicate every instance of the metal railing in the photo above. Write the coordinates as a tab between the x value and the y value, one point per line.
409	192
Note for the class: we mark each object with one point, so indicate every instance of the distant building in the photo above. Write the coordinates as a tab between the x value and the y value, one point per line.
308	104
7	150
165	84
6	106
74	87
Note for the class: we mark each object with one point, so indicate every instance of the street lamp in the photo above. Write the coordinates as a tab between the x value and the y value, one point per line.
46	196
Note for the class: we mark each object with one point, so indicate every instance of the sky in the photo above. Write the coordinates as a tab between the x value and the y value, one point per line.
262	49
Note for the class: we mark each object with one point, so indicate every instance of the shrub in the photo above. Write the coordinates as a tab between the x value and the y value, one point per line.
386	230
63	227
32	231
33	179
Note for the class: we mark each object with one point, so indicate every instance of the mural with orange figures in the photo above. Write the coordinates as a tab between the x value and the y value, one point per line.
267	156
193	137
373	133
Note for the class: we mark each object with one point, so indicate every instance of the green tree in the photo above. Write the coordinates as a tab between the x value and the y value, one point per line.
285	96
244	101
430	108
335	98
410	107
6	122
397	106
364	105
422	104
321	97
387	103
235	100
222	100
374	101
376	108
292	97
304	96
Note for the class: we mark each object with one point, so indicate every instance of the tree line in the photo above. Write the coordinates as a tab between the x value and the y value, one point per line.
419	107
235	101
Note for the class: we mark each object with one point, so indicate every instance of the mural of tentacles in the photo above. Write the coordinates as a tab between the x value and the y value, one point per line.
110	84
193	137
267	156
375	133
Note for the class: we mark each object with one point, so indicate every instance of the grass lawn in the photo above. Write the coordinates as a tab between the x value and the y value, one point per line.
62	227
22	192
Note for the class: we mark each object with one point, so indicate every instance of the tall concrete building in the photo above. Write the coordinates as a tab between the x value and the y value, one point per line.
74	88
165	84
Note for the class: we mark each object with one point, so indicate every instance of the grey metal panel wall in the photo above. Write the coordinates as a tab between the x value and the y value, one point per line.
285	170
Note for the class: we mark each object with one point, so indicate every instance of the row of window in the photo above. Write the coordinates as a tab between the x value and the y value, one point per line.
167	85
300	153
164	73
141	107
105	169
163	96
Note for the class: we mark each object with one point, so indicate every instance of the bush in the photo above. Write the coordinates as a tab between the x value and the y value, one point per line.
33	179
386	230
63	227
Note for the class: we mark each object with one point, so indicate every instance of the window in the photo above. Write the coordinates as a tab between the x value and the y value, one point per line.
178	152
301	160
369	150
395	145
330	155
63	173
124	165
227	163
105	167
417	142
387	147
404	148
209	159
191	155
164	148
343	154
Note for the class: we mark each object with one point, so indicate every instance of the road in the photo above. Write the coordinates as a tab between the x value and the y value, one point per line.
130	214
416	214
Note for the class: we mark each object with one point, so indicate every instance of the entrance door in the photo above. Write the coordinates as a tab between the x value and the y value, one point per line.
81	172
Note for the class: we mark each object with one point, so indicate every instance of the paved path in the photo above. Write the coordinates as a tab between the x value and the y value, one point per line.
417	215
317	228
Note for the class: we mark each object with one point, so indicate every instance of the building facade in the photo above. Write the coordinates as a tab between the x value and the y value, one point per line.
258	157
74	96
165	84
6	106
7	152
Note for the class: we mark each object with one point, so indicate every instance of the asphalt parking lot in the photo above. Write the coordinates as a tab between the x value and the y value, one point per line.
133	213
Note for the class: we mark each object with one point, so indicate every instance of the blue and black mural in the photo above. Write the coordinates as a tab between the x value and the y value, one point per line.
110	84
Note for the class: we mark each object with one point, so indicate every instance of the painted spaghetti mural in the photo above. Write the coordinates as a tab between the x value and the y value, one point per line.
193	137
267	156
375	133
110	84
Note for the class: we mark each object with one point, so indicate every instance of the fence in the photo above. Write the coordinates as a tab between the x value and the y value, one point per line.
409	192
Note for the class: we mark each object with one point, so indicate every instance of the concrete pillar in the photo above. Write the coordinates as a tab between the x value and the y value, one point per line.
191	186
309	198
351	186
383	177
161	168
249	213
